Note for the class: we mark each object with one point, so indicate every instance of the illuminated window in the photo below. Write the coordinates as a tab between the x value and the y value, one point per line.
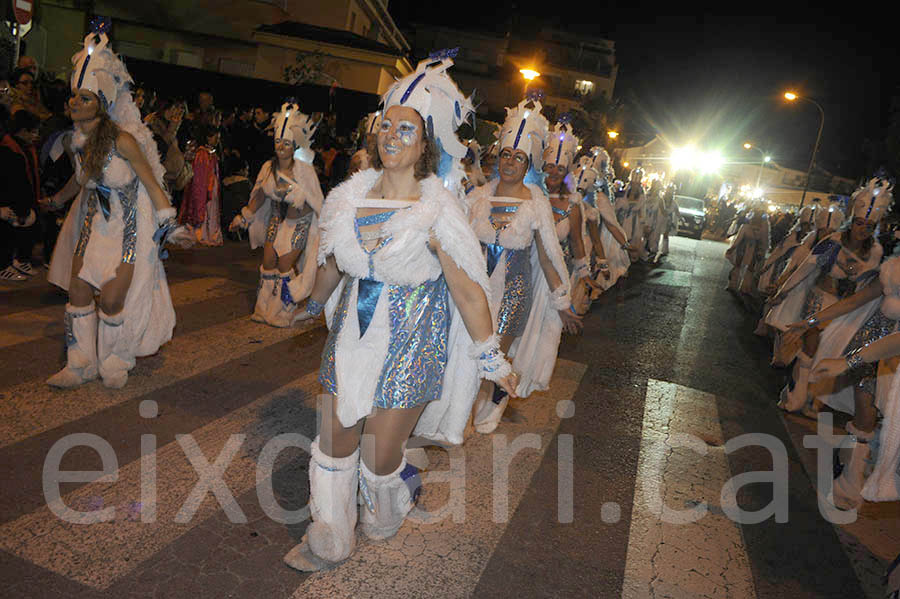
584	87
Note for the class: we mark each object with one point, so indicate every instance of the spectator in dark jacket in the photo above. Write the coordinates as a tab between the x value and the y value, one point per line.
21	183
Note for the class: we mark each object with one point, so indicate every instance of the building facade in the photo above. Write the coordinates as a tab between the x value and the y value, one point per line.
571	67
353	44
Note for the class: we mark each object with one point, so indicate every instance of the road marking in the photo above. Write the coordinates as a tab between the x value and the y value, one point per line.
32	408
405	566
705	558
28	325
98	554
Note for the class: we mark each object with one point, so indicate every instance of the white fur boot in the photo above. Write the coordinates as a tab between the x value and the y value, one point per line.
489	413
848	486
387	499
331	537
793	396
112	365
81	348
265	294
283	307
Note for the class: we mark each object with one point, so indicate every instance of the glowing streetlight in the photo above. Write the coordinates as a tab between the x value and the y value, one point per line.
625	164
763	159
612	134
529	74
791	96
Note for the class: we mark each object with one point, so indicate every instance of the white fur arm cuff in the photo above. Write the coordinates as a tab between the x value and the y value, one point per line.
580	268
560	299
492	364
165	214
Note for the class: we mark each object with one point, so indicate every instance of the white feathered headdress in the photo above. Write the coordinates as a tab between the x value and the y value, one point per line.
872	201
97	69
562	144
526	129
584	174
293	125
437	99
373	122
601	159
830	217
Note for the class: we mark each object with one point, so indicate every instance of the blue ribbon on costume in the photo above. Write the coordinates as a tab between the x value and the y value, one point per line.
826	253
366	299
286	297
560	211
160	238
494	250
103	193
410	475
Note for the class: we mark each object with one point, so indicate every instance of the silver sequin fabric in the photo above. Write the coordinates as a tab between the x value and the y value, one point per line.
813	303
301	232
128	199
877	326
413	371
85	236
327	373
516	303
274	219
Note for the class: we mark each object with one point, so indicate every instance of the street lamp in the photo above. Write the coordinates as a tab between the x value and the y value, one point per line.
612	134
529	75
790	96
762	161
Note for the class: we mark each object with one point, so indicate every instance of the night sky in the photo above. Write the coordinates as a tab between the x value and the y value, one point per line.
718	80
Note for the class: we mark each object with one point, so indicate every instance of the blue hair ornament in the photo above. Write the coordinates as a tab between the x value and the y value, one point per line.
443	53
100	25
535	95
564	119
291	100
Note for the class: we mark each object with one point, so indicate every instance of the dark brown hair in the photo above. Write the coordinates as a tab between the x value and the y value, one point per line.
99	144
426	165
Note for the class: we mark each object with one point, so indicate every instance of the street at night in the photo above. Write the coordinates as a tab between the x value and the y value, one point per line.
666	352
382	299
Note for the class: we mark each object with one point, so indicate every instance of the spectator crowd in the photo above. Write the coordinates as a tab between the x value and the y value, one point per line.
224	147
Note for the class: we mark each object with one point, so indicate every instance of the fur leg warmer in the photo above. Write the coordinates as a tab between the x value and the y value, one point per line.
387	499
81	348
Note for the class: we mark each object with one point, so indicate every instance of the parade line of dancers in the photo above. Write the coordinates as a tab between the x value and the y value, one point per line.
445	294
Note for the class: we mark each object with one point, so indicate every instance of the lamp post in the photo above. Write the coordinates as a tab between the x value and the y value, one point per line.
763	159
790	97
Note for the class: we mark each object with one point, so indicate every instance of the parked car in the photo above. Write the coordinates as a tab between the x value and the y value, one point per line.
691	216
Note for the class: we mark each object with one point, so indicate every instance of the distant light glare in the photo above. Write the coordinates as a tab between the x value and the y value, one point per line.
612	134
747	146
790	96
529	74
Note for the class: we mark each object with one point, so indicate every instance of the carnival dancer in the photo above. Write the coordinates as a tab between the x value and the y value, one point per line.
671	216
656	219
631	210
527	270
201	208
780	255
778	260
747	253
604	236
405	283
838	265
282	216
877	307
883	483
565	202
115	228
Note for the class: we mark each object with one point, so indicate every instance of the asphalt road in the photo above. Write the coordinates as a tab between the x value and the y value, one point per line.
618	481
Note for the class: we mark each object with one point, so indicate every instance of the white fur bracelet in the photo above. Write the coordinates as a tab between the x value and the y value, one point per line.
165	214
560	299
492	363
247	215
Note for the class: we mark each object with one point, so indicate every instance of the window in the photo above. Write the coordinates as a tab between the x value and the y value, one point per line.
353	22
583	86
